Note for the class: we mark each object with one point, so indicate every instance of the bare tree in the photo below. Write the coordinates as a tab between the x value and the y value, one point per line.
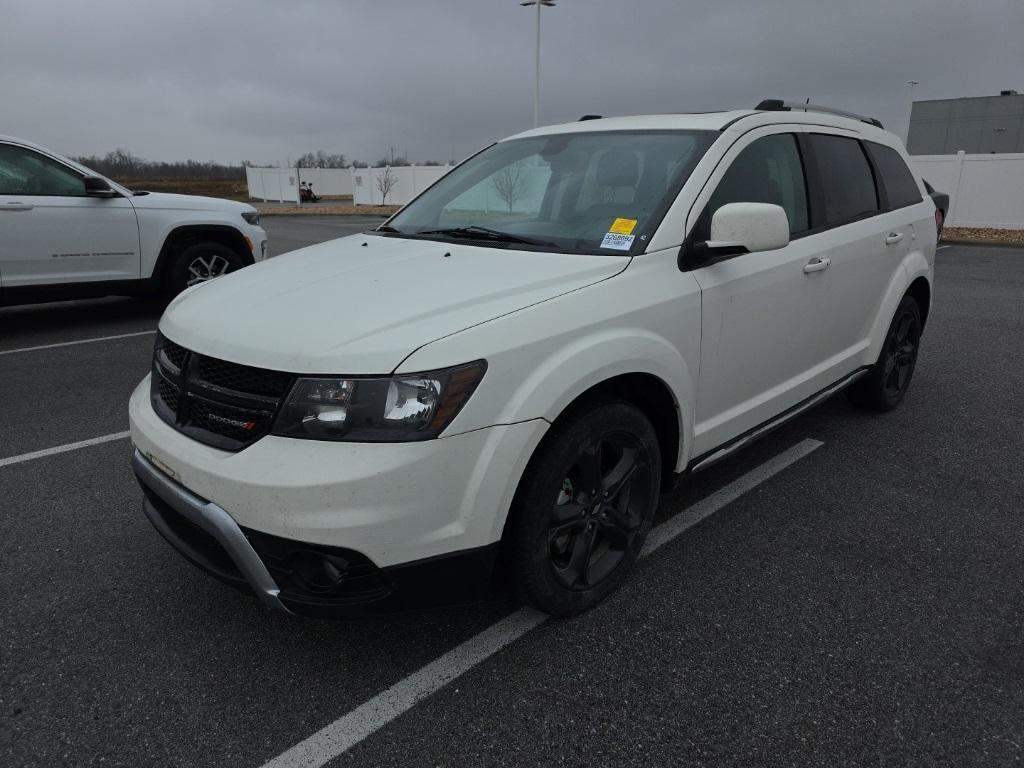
385	183
510	183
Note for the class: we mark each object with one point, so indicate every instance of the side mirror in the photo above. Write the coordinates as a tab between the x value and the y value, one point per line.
744	228
97	187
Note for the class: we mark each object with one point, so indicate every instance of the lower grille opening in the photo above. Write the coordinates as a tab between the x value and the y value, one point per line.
196	544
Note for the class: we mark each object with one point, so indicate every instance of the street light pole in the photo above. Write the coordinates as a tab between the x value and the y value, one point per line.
910	110
536	83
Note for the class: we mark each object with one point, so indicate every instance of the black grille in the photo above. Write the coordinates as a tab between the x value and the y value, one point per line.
219	403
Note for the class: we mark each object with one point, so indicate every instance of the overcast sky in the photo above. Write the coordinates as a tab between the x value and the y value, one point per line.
266	81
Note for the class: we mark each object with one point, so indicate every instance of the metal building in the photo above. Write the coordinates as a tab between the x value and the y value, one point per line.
977	125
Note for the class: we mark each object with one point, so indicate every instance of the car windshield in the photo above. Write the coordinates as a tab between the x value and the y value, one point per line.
600	192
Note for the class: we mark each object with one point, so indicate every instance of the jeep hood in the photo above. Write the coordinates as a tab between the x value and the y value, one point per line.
362	304
166	201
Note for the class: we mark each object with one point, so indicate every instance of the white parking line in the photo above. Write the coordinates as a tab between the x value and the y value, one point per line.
939	248
62	448
348	730
80	341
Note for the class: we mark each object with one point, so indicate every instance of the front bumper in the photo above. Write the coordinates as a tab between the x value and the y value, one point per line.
411	524
236	561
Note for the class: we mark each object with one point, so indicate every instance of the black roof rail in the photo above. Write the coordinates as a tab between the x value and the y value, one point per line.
589	117
778	105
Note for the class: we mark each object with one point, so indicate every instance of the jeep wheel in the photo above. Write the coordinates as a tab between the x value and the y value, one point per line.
201	262
584	508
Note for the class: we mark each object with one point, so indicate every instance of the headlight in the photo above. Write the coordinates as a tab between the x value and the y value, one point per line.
374	410
252	217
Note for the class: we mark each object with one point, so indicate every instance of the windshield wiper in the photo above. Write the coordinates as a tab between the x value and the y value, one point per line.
386	228
483	233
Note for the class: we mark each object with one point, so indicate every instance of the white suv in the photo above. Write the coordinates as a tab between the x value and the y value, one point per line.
67	232
505	374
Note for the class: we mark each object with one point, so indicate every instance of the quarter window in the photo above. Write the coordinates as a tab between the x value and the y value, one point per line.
24	172
846	177
898	181
767	171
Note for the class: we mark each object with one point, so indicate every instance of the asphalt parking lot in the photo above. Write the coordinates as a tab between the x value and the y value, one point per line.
859	601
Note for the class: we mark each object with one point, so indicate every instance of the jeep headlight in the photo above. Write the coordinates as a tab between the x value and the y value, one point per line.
252	217
377	409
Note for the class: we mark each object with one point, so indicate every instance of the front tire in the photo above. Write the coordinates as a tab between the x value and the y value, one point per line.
201	262
584	507
887	381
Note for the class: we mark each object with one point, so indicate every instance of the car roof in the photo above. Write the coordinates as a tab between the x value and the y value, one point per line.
743	119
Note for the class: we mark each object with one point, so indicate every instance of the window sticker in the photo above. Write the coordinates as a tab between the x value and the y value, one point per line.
617	242
622	227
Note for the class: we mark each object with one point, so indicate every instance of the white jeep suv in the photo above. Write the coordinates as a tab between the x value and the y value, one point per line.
67	232
506	373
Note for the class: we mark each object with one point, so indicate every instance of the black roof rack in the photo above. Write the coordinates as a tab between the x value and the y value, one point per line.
589	117
778	105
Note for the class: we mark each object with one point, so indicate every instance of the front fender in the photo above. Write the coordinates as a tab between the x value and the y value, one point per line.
645	320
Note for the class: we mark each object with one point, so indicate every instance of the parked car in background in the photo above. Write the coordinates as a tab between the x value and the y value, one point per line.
68	232
385	419
941	200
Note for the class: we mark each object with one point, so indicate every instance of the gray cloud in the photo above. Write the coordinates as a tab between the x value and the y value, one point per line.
266	81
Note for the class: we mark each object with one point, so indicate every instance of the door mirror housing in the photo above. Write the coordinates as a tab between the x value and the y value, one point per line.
743	228
97	187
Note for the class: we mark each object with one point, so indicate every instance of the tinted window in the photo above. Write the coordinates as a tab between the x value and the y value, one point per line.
24	172
768	171
846	177
900	187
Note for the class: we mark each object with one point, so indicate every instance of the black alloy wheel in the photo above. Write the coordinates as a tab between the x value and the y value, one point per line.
598	512
887	381
583	508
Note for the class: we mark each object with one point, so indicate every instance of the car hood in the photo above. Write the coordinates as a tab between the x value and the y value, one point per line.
362	304
166	201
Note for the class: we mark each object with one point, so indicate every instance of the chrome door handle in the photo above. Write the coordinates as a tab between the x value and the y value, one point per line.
894	237
817	264
16	207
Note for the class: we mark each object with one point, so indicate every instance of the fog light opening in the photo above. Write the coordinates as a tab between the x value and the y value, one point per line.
316	571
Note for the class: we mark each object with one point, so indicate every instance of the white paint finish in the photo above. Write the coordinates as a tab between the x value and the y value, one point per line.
344	733
53	240
66	239
11	460
644	320
393	502
363	308
78	341
984	190
754	226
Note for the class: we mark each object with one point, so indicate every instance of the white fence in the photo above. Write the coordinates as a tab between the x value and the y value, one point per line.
984	190
276	184
282	184
410	180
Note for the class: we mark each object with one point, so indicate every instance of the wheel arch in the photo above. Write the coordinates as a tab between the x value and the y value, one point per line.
182	237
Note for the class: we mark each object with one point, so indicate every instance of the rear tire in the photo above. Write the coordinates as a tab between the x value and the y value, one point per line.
583	509
199	263
882	388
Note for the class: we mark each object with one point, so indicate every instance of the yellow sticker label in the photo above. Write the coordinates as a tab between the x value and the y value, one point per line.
623	226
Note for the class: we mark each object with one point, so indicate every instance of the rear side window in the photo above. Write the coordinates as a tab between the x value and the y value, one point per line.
846	177
767	171
898	181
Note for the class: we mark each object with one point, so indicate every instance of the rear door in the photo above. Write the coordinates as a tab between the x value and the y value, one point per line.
868	196
761	313
51	232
